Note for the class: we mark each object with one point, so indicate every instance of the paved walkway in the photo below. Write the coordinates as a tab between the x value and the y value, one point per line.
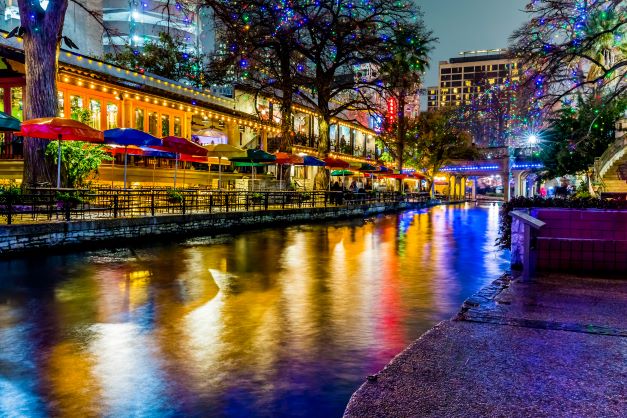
556	347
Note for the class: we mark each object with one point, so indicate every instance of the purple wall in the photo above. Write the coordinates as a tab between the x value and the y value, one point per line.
582	240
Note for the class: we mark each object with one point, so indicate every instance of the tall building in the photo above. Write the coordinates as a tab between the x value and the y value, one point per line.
79	25
136	22
463	78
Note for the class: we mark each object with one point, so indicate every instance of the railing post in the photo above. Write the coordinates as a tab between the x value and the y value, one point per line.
183	204
226	200
265	203
152	203
210	201
115	206
9	209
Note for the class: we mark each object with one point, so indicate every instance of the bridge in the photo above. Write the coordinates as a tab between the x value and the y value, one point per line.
520	171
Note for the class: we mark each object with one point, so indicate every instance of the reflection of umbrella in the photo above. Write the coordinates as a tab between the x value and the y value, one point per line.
223	151
129	136
60	129
210	137
8	123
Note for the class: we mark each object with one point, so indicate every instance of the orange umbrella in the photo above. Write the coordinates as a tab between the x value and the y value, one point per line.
61	129
287	158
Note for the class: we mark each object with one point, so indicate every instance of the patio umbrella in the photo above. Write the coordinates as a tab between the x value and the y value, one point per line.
61	129
341	173
223	151
210	136
308	160
180	146
367	167
336	163
285	158
255	156
128	136
8	123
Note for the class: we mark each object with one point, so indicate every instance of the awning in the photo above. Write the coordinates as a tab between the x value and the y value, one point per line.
341	173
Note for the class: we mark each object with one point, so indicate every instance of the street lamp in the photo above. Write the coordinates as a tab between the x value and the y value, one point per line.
533	139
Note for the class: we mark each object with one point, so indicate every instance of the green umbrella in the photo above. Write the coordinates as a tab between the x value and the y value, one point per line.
255	156
341	173
247	164
8	123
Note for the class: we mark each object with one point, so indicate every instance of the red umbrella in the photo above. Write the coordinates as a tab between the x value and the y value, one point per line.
182	146
61	129
336	163
287	158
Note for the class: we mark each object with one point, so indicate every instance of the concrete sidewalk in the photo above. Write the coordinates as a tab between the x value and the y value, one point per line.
555	347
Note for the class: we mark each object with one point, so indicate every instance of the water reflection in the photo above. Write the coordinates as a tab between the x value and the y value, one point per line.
282	322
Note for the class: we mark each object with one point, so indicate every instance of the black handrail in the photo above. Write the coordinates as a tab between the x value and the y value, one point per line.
47	204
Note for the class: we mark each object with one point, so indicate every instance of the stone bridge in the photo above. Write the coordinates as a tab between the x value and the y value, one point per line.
519	173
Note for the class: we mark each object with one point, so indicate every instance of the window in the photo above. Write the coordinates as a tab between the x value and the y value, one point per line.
165	125
139	119
76	108
177	126
17	105
95	109
61	104
152	123
112	115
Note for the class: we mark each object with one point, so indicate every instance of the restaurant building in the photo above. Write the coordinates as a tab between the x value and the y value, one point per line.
108	97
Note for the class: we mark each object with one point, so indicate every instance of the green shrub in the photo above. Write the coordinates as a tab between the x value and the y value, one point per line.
174	196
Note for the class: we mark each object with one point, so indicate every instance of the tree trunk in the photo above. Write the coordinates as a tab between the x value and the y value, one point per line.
324	143
400	139
41	51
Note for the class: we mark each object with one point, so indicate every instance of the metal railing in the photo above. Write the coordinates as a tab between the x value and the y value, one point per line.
49	205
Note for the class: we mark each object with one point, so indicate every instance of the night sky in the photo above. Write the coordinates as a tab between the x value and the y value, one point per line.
464	25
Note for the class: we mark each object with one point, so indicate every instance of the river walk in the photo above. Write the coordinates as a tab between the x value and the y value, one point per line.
556	346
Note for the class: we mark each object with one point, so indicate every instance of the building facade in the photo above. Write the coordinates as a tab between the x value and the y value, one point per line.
463	78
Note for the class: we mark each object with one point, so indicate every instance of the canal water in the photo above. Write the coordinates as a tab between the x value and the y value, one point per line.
276	322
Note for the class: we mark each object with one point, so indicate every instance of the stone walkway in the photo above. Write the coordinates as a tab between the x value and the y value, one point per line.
555	347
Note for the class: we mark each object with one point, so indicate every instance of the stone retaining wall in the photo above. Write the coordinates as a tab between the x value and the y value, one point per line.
23	238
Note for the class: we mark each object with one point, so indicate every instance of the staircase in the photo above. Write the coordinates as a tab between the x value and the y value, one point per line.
615	179
611	167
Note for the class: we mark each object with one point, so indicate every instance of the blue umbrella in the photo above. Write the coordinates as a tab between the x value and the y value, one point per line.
312	161
129	136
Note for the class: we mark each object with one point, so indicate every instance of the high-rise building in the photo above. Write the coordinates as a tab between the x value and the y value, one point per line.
463	78
135	22
80	26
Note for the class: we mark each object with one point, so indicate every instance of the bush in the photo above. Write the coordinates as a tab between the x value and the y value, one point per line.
505	222
69	199
174	196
